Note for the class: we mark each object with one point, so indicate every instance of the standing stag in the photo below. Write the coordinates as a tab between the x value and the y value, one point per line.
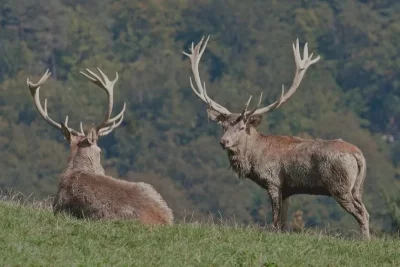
84	190
287	165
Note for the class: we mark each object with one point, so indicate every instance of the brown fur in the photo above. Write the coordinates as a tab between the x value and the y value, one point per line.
287	165
83	194
86	192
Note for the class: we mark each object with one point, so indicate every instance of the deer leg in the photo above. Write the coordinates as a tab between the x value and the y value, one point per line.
284	213
361	209
352	206
276	203
360	205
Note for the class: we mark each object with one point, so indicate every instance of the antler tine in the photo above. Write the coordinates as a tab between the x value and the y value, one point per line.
108	87
246	106
301	68
195	56
107	130
248	102
81	127
105	78
34	88
115	124
74	132
249	113
259	101
121	113
282	97
305	51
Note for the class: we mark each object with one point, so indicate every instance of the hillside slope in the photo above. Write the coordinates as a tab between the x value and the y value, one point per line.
34	237
165	139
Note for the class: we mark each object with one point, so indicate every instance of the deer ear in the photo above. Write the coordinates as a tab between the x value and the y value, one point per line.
253	121
216	116
66	132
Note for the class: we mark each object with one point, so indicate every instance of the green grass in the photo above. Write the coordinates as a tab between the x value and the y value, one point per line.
31	236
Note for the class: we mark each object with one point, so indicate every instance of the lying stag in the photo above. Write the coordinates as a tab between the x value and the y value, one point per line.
287	165
84	190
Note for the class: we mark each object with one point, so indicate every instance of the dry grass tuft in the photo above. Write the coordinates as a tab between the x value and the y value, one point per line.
18	198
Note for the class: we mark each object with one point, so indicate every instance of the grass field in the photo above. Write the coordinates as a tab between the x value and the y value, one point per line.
32	236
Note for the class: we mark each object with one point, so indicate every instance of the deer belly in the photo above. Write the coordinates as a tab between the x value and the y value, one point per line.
303	181
314	190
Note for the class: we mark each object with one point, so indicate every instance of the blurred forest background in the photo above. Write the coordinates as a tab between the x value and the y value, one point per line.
352	93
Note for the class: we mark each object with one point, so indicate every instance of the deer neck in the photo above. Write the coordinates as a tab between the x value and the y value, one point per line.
84	160
243	157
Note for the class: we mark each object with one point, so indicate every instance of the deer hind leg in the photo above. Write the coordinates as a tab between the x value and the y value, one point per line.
352	206
361	208
357	195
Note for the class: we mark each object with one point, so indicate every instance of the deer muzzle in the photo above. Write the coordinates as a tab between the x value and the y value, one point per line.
225	143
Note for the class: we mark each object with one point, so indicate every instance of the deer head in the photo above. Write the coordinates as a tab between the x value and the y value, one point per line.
84	152
237	126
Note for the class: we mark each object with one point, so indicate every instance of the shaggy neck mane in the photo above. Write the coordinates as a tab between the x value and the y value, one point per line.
81	160
242	158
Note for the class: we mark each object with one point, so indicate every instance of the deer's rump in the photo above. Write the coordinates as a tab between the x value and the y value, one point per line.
321	168
85	195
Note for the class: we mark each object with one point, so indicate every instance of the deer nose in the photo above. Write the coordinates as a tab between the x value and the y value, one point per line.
223	142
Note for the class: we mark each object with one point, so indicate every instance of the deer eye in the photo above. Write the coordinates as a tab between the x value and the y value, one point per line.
242	128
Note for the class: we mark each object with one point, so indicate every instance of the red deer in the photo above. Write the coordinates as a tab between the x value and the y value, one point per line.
287	165
84	190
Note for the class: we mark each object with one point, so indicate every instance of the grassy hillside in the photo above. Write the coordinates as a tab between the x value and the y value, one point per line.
32	236
166	140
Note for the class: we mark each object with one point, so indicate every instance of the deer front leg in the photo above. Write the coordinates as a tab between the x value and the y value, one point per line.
275	195
284	213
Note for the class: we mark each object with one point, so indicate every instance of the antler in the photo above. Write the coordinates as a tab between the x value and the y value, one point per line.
301	68
195	56
104	127
34	88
